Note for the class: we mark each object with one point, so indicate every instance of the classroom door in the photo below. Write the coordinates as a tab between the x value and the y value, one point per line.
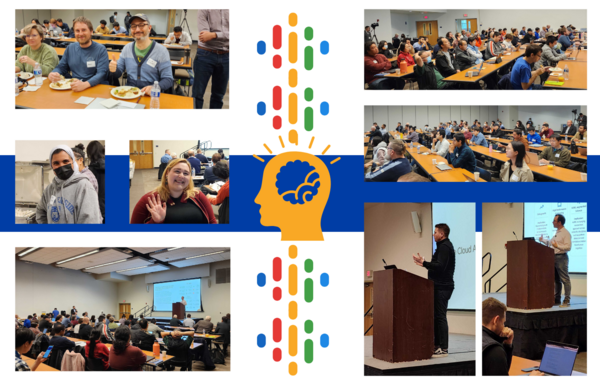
428	29
141	151
368	303
467	25
124	309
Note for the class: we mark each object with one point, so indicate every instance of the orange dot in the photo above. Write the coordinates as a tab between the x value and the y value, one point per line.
293	368
293	251
293	19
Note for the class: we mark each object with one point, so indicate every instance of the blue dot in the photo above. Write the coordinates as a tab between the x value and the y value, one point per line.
261	340
324	47
324	340
261	47
261	108
324	108
324	280
261	279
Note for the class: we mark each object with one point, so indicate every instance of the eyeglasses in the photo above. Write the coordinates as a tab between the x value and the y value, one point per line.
136	26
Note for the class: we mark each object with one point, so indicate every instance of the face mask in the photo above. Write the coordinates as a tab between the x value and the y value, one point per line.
428	59
64	172
385	47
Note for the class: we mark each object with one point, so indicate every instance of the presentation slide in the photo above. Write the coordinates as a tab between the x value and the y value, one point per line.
537	220
166	293
460	217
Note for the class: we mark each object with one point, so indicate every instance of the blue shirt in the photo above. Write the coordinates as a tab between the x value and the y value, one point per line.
390	172
564	42
27	323
463	157
55	313
195	163
87	64
521	73
165	159
522	32
121	30
417	47
534	138
537	35
479	140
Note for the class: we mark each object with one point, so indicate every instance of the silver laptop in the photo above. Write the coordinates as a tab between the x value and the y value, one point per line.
477	71
533	159
575	56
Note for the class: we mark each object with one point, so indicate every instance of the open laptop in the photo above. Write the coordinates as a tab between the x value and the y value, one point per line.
443	167
532	158
558	359
477	71
574	57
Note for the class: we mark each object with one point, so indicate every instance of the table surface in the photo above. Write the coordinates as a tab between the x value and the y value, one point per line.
42	367
126	37
113	42
486	70
46	98
519	363
541	148
577	75
426	162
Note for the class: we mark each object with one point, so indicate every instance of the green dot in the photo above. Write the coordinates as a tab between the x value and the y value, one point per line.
308	94
308	326
308	119
308	351
308	33
308	266
308	290
308	58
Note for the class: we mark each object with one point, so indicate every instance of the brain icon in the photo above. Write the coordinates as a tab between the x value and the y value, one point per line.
297	182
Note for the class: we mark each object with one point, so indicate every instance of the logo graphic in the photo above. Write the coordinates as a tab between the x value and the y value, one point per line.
290	176
54	214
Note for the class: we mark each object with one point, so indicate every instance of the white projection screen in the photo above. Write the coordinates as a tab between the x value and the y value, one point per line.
166	293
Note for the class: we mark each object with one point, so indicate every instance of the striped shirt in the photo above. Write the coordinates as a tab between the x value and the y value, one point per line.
217	21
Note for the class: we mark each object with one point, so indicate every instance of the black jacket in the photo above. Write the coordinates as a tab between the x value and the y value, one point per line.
464	60
142	339
496	356
443	66
98	168
441	267
85	330
175	322
427	81
528	39
570	130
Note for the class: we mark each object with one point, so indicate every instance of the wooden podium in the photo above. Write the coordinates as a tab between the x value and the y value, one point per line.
402	316
530	275
179	310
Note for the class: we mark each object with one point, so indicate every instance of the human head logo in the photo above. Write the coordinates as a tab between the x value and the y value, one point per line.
294	192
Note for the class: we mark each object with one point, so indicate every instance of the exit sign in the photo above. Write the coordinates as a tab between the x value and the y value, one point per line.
465	15
369	273
425	17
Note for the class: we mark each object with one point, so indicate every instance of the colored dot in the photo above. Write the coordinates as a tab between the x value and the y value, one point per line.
324	47
261	108
308	33
308	351
308	290
293	340
293	251
308	58
277	330
277	269
324	340
277	98
261	340
261	279
308	265
277	61
261	47
324	108
277	37
308	119
308	94
293	310
308	326
277	293
324	280
277	354
277	122
293	19
293	368
293	78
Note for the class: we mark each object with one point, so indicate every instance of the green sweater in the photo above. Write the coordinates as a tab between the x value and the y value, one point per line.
45	55
550	154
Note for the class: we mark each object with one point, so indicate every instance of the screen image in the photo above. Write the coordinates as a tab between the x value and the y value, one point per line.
558	360
460	217
166	293
537	220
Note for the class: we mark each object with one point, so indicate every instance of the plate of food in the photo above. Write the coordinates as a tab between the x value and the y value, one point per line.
24	75
555	69
63	84
126	92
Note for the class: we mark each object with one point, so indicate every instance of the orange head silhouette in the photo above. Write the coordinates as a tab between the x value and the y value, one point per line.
294	192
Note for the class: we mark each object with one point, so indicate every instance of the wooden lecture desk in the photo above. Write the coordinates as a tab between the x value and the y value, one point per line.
518	363
426	163
366	149
556	173
46	98
539	149
130	38
577	73
114	42
42	367
486	70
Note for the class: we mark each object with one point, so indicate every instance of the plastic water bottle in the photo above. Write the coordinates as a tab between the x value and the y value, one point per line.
566	73
490	148
16	86
37	72
155	96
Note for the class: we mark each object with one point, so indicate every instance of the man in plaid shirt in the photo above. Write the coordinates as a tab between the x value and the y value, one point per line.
24	341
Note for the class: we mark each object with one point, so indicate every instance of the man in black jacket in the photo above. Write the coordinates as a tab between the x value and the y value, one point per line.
445	61
141	338
464	58
441	272
175	322
570	129
496	340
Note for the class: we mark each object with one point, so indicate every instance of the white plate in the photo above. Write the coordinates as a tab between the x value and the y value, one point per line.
66	85
129	95
554	69
24	75
555	74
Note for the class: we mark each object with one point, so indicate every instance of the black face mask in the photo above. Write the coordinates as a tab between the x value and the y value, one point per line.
64	172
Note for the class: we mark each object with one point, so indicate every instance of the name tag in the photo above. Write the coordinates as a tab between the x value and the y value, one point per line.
557	155
91	63
514	177
52	200
374	61
152	63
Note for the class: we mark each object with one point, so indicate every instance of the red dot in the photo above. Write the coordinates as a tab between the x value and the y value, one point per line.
277	98
277	294
277	37
277	61
277	330
277	122
277	269
277	354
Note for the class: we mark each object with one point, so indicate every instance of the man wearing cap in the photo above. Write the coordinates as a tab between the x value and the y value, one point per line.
212	58
146	61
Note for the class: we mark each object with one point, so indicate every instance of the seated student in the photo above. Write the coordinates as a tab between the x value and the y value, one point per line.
118	30
112	324
550	57
546	132
384	49
564	40
223	329
440	144
45	323
79	153
529	37
58	341
537	33
85	329
179	36
521	77
27	322
533	137
460	155
474	50
178	344
397	166
420	44
221	170
523	32
107	336
375	63
54	29
204	325
145	61
412	135
556	153
95	349
36	52
467	133
86	60
186	203
478	137
581	135
123	356
70	197
188	322
516	169
102	28
66	323
155	329
194	162
141	338
464	57
23	342
445	60
63	26
427	46
430	77
493	48
404	53
209	176
508	43
34	328
175	322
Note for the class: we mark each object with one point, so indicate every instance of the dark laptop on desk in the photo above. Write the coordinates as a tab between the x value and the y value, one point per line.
558	359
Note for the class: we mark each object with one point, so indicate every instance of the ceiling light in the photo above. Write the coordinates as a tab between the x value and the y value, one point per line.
79	256
135	268
106	264
28	251
174	248
204	255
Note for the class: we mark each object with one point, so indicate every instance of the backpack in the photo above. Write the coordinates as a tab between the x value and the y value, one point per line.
19	42
178	348
217	356
40	344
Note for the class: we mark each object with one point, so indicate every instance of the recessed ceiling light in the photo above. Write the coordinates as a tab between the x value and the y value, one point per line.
135	268
77	257
204	255
174	248
106	264
28	251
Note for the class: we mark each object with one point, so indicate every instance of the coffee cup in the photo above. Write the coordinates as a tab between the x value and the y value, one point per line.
434	161
583	176
476	174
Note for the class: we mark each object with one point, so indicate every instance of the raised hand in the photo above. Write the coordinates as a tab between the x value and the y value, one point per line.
157	209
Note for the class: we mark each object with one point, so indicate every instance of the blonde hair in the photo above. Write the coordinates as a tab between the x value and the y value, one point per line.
31	27
52	21
163	189
85	21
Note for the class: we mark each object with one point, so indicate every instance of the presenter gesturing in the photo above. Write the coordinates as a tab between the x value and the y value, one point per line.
184	302
561	243
441	272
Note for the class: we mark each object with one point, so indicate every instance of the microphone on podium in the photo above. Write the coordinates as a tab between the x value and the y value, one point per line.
515	236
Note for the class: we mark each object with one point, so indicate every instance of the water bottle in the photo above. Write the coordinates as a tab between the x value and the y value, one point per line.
155	96
16	86
37	72
490	148
566	73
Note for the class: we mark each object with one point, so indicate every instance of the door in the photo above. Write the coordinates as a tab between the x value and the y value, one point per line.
368	303
124	309
141	151
472	25
428	29
466	24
